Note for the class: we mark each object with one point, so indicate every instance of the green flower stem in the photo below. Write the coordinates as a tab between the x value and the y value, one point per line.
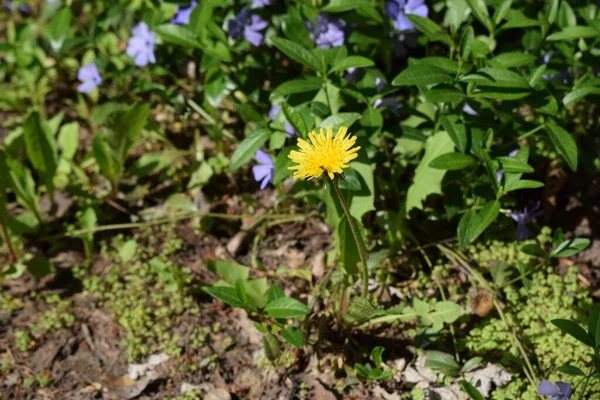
6	236
359	243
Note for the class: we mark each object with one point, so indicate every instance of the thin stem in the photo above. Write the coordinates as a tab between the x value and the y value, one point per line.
585	383
531	132
359	243
281	217
13	254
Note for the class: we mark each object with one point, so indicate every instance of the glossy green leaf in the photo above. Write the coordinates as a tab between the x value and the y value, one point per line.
594	325
444	94
443	362
580	93
298	86
336	6
571	370
574	329
433	31
338	120
456	130
351	62
178	34
297	53
574	33
293	336
480	12
570	247
563	142
294	118
453	161
522	184
226	294
466	43
286	307
421	74
246	149
484	218
40	145
377	355
471	390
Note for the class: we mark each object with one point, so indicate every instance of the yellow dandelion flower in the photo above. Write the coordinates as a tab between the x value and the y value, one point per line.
325	153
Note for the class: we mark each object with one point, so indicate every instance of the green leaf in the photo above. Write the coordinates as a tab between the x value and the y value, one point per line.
571	370
428	180
466	43
229	271
471	364
453	161
274	292
246	149
533	250
501	11
563	142
68	140
248	112
282	162
575	33
514	59
293	336
511	164
351	62
294	118
286	307
443	362
105	158
297	53
226	294
336	6
570	247
580	93
361	309
179	35
298	86
551	7
349	255
497	77
433	31
272	347
341	119
60	27
522	184
566	16
574	329
457	131
471	390
40	145
480	12
376	355
484	218
421	74
444	94
594	325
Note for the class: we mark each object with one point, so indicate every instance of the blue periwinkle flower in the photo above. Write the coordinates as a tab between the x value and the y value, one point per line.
182	17
24	8
562	75
90	78
141	45
524	218
560	391
398	9
264	171
327	32
289	129
261	3
247	26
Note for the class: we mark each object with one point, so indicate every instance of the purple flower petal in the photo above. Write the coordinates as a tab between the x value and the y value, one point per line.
402	23
86	87
547	388
467	109
257	23
182	17
87	72
264	158
255	38
275	108
564	388
261	171
421	11
289	130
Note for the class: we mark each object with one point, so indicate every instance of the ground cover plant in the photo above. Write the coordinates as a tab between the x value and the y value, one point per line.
307	199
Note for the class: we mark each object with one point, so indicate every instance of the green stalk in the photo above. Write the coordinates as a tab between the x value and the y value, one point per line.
359	243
